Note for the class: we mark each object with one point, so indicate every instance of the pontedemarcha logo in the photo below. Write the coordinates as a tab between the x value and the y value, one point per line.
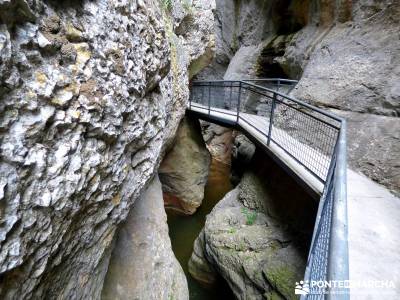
302	288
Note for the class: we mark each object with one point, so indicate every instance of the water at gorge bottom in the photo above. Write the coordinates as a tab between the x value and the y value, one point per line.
183	231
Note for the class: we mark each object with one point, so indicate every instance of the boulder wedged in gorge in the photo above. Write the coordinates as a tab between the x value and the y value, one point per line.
257	236
91	93
184	170
218	140
142	264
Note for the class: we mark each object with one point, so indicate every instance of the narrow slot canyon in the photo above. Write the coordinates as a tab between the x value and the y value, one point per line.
183	231
252	215
199	149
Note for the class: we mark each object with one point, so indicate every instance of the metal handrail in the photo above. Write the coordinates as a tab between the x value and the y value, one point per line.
328	255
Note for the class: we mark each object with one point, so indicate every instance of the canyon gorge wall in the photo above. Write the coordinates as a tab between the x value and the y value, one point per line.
345	54
91	95
142	264
349	58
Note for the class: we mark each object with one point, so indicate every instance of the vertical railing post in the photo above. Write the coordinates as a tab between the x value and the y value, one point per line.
230	96
209	98
279	84
190	95
238	106
271	118
202	94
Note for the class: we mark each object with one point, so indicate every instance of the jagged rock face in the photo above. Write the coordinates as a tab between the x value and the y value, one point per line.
247	34
91	92
142	265
184	170
244	28
373	147
256	237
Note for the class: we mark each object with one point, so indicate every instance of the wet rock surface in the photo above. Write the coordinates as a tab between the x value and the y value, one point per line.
142	264
257	236
184	170
91	93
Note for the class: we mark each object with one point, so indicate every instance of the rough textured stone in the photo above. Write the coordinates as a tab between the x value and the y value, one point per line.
91	93
242	153
356	62
184	170
218	140
142	264
244	28
256	237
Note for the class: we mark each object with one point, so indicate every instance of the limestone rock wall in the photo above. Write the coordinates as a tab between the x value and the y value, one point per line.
350	64
91	93
345	54
142	265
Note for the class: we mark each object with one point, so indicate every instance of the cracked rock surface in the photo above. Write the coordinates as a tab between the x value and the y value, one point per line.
350	63
91	93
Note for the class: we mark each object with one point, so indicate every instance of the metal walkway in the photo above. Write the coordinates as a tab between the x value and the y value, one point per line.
307	142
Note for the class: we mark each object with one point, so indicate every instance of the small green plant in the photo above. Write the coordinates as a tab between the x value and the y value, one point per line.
251	216
232	230
167	4
187	5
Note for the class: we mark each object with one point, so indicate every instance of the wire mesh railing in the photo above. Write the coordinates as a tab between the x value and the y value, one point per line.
216	95
313	138
288	123
278	84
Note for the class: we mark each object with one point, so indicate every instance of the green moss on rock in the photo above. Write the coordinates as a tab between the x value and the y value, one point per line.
283	279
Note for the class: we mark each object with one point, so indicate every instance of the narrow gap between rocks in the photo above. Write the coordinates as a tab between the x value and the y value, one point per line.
184	230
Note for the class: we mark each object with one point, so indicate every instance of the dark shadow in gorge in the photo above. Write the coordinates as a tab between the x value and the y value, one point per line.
183	231
288	202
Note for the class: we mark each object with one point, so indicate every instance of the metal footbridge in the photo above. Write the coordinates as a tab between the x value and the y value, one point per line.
309	143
